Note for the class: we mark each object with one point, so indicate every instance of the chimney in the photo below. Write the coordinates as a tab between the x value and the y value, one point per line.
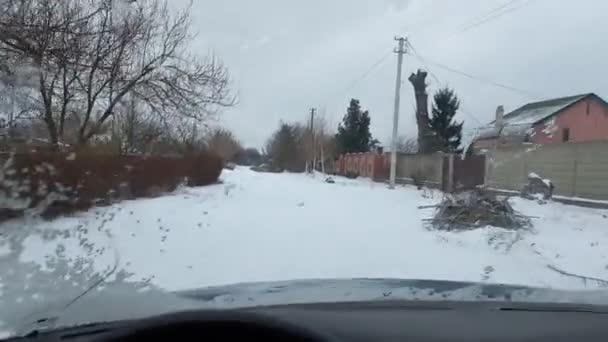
500	121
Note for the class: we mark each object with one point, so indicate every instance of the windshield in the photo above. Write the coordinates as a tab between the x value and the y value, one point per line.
156	146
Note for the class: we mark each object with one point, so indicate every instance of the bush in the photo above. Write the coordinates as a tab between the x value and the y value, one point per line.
51	184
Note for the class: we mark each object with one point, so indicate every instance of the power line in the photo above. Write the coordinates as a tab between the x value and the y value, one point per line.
368	71
480	20
477	21
494	11
462	109
496	84
486	16
383	58
413	49
495	16
363	76
466	112
525	93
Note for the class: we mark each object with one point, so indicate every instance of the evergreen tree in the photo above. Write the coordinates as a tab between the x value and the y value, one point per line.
448	132
353	133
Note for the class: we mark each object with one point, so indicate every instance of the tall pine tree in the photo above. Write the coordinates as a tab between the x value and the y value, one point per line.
448	131
353	133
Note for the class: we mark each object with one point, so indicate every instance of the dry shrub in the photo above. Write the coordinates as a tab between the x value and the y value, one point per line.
205	169
475	209
51	184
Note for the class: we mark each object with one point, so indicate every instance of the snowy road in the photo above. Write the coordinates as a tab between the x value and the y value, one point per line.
264	227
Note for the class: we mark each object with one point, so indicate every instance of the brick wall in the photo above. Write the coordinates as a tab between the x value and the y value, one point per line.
587	120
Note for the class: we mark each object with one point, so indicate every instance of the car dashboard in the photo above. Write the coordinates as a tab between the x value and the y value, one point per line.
359	321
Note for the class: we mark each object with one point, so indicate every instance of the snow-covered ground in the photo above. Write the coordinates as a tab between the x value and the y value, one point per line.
264	227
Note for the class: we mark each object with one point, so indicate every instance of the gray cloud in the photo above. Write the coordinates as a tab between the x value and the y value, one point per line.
287	56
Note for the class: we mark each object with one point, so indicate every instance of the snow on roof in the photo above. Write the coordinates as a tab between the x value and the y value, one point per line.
520	121
534	112
491	131
518	129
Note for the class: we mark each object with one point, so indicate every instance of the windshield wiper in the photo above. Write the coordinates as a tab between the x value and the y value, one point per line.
556	308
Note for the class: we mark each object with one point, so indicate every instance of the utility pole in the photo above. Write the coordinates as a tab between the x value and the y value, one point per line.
312	138
400	50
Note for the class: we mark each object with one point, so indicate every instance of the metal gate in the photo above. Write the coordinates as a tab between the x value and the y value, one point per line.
465	174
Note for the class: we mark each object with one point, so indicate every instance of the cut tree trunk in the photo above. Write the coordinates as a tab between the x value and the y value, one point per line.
426	136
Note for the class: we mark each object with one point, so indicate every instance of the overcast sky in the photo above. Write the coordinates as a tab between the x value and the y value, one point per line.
288	56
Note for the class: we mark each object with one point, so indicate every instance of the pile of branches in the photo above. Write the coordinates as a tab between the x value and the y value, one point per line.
475	209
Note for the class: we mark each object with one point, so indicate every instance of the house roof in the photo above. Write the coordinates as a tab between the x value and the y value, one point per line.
536	112
491	131
520	121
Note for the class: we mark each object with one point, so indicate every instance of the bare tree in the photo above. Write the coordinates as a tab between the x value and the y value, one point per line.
35	33
324	148
187	137
135	129
407	145
291	145
89	58
223	143
285	147
16	101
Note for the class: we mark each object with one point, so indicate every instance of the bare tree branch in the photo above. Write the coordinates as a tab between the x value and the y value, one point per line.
89	59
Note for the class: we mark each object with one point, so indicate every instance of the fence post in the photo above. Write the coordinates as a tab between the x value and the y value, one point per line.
575	172
490	158
486	170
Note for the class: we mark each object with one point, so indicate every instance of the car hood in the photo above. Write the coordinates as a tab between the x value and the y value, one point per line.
123	302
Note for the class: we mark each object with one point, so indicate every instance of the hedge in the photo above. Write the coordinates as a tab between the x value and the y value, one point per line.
50	184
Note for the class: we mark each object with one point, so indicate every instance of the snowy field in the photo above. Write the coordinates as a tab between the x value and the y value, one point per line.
264	227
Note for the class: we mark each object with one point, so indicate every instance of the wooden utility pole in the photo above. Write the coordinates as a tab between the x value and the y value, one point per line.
400	50
312	140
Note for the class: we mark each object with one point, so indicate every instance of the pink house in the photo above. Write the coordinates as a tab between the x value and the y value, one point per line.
574	118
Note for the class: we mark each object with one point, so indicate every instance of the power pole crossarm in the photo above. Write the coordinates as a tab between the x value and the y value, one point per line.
400	50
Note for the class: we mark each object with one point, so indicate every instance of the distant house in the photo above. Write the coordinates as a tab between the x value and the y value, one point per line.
573	118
